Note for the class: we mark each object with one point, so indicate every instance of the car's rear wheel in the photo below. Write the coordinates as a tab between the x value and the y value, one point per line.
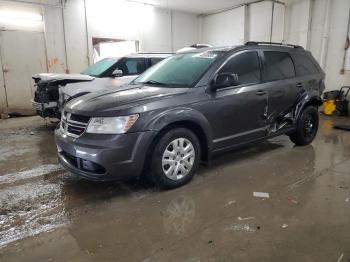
175	158
306	127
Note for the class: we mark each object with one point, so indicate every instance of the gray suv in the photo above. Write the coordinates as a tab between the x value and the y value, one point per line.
189	107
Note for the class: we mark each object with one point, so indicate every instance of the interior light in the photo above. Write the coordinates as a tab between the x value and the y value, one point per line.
20	19
9	14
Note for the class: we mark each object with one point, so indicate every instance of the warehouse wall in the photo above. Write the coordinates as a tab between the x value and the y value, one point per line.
226	28
69	31
321	27
245	23
158	30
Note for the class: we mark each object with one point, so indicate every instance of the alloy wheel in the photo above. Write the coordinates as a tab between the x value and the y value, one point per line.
178	158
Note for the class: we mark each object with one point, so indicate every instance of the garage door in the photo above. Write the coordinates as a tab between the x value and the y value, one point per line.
22	55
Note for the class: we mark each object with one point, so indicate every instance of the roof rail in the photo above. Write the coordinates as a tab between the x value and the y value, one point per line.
272	43
154	53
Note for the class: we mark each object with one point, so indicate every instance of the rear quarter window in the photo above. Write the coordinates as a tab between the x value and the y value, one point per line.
155	60
278	66
304	65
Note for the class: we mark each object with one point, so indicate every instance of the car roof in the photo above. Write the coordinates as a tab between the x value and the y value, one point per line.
250	45
149	55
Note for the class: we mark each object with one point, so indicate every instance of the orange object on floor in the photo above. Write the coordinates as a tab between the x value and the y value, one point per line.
329	107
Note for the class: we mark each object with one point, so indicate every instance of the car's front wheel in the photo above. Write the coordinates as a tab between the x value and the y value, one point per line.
306	127
175	158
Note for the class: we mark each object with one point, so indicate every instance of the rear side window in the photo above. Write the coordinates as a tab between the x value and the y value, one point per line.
246	66
304	65
278	66
132	66
155	60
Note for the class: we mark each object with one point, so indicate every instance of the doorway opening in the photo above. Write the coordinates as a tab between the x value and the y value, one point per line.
106	47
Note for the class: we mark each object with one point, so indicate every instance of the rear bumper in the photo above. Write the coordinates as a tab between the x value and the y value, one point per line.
104	157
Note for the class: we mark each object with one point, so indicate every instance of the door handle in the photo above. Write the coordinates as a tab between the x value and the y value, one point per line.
299	85
261	93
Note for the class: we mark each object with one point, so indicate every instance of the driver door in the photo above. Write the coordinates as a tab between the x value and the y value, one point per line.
238	112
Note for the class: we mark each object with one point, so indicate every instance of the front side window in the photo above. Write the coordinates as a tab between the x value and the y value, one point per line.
100	67
131	66
181	70
278	66
246	66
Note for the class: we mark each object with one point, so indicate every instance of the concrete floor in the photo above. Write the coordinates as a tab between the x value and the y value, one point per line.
48	215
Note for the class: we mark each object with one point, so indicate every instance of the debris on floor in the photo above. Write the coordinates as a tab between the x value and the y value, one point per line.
284	226
293	201
245	218
340	258
242	227
261	194
230	202
347	200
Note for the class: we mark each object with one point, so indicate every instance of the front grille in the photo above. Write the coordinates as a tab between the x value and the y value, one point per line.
80	118
41	96
46	93
74	125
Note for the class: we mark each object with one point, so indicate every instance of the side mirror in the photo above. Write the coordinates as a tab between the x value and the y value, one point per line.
117	73
225	80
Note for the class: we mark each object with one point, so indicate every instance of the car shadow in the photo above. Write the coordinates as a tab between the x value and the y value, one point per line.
78	189
239	154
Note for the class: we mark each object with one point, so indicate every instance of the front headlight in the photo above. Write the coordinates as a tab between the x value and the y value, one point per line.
111	125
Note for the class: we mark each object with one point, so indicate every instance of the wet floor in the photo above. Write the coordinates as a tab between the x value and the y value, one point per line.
46	214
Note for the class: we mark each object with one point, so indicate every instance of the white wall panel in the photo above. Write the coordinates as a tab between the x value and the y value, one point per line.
226	28
260	21
278	23
75	35
2	91
297	23
185	30
157	38
56	58
297	18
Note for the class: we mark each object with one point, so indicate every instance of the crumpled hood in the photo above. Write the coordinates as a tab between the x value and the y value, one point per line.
98	84
125	96
64	78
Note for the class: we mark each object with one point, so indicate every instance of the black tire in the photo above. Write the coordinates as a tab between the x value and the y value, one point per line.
157	172
306	127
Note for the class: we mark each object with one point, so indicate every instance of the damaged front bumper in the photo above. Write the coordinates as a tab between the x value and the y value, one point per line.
49	109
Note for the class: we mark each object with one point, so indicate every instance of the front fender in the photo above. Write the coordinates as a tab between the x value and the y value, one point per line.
177	115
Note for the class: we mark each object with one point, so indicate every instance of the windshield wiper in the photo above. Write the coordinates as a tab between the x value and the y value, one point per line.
153	82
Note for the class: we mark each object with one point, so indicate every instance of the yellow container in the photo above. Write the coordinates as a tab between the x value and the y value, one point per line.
329	107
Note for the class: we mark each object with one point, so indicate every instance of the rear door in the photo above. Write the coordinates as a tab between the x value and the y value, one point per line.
307	74
280	83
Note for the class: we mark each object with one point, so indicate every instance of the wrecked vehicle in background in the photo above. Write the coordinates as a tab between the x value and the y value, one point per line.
54	90
46	101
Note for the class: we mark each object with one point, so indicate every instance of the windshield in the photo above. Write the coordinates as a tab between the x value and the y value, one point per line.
98	68
182	70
